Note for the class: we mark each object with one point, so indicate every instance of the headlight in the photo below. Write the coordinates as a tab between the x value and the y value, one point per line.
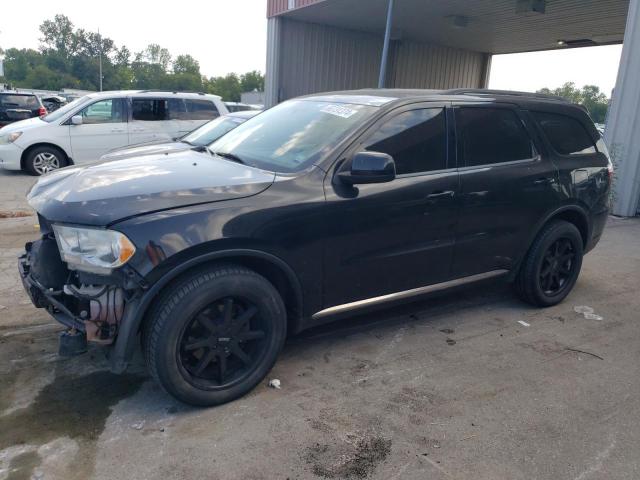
9	137
92	249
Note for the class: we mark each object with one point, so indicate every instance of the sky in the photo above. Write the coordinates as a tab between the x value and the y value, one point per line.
223	35
230	36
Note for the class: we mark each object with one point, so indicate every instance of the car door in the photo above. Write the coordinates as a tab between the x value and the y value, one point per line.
151	120
104	127
390	237
506	186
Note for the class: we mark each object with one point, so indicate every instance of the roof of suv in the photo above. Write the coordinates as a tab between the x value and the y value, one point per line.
380	97
151	93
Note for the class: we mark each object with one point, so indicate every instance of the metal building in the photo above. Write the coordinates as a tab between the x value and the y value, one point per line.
323	45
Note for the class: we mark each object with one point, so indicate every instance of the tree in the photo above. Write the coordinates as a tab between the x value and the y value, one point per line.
228	87
186	64
590	97
155	55
57	34
252	81
68	57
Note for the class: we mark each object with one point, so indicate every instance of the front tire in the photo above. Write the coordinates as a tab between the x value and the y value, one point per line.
215	334
551	267
45	159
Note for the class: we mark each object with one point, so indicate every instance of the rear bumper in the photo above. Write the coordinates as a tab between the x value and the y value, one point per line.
10	156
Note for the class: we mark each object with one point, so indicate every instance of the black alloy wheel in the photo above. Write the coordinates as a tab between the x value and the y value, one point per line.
214	334
222	343
552	265
557	267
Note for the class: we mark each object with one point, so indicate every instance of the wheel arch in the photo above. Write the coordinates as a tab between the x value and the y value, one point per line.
30	148
273	268
574	214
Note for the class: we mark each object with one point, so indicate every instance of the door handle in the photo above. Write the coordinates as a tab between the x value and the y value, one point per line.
543	181
440	194
117	130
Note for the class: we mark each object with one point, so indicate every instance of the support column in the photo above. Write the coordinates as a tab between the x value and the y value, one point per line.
385	46
623	126
272	74
486	71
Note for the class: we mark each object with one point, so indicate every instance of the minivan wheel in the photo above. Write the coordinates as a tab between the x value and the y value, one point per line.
45	159
552	265
215	334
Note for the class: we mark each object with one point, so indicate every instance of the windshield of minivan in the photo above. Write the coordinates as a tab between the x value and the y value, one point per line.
61	112
212	131
293	135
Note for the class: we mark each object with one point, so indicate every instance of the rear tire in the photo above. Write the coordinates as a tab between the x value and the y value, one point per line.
551	267
45	159
214	334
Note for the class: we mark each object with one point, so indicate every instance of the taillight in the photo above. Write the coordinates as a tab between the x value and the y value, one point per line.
42	112
610	170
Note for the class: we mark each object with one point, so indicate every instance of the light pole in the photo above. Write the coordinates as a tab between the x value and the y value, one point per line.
100	57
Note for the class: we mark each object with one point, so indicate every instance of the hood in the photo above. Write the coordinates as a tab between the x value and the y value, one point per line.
152	148
104	193
22	125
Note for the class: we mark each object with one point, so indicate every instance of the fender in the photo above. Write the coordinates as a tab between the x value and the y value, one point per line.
135	310
534	232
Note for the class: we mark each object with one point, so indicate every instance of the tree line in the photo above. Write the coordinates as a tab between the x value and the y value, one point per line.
68	57
589	96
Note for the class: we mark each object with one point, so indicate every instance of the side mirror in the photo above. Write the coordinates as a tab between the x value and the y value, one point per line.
76	120
369	167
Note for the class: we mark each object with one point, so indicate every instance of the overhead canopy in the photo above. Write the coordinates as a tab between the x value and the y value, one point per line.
490	26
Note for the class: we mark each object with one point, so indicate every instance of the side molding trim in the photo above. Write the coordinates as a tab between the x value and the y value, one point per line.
407	293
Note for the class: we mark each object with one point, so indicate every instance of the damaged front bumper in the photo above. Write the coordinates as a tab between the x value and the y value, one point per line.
96	305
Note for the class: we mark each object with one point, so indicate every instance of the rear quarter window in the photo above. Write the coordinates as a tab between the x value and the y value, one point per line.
567	135
201	110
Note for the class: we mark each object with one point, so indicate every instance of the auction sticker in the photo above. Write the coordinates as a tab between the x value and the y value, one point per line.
339	111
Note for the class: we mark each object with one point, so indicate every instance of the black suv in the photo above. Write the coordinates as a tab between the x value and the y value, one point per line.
322	206
16	106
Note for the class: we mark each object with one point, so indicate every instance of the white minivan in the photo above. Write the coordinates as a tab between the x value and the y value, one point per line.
95	124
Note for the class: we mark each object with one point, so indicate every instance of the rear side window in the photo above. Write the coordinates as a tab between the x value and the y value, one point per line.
201	110
150	109
417	140
19	101
566	135
491	135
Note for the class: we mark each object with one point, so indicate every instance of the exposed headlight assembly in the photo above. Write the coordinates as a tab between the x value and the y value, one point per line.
93	250
9	138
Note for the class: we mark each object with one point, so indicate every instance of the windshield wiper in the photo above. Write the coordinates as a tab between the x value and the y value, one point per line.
229	156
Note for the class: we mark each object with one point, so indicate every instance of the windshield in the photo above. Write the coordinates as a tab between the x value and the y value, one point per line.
293	135
62	111
212	131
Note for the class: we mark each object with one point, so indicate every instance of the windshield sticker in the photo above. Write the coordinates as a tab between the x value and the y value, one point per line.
339	111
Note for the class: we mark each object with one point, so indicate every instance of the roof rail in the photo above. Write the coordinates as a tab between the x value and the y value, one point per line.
159	90
482	91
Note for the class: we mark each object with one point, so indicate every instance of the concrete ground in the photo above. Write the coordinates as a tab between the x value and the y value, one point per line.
472	384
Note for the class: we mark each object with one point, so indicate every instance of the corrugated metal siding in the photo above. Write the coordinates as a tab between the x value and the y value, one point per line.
316	58
418	65
276	7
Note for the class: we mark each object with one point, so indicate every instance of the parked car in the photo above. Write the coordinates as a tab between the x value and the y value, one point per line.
15	106
87	128
200	137
54	102
320	207
239	107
